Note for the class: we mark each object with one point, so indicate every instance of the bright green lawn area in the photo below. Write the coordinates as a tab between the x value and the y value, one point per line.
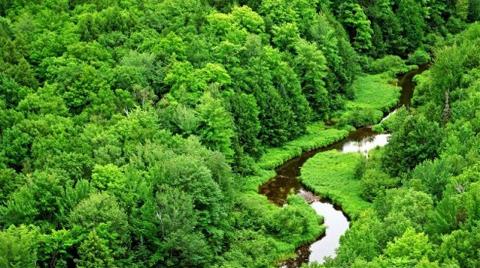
317	136
333	174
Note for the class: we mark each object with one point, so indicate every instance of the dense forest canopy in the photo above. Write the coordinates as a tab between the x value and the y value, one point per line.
129	129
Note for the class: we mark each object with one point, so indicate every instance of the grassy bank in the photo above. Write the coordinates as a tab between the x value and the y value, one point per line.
374	96
336	175
330	174
317	136
282	229
294	225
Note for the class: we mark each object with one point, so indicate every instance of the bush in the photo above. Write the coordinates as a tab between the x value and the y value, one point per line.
374	182
419	57
378	128
391	64
361	117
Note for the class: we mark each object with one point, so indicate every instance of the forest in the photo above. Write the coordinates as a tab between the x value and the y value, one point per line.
137	133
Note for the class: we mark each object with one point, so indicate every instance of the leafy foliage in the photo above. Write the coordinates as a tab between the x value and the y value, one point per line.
134	133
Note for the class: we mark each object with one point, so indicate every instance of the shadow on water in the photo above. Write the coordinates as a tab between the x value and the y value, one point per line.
337	223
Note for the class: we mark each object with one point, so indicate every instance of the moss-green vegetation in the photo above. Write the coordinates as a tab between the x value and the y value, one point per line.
336	175
377	91
375	94
317	136
287	228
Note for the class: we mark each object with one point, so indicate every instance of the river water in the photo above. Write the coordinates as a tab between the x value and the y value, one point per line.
286	182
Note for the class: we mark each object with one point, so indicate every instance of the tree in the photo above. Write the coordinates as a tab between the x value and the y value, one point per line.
18	247
94	252
357	24
363	241
216	127
410	14
473	10
434	176
403	208
100	212
245	113
461	246
167	223
375	182
311	67
417	140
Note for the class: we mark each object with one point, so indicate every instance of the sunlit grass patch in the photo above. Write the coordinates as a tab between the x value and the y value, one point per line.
317	136
336	175
374	95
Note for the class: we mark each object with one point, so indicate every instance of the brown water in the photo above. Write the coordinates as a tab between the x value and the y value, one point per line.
286	182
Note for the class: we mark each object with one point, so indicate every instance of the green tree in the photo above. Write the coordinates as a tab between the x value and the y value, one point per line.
311	67
357	24
460	246
167	223
94	252
245	113
417	140
101	212
216	128
19	247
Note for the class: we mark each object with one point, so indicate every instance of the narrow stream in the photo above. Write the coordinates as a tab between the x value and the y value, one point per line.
286	182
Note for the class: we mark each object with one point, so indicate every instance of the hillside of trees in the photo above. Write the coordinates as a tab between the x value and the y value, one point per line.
131	131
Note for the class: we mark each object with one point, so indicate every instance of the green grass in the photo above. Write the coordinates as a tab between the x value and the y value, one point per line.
317	136
374	96
376	92
334	175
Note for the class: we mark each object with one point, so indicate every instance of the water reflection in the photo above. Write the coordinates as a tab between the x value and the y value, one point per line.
365	145
336	223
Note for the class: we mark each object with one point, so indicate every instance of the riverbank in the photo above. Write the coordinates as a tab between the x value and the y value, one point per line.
278	169
336	176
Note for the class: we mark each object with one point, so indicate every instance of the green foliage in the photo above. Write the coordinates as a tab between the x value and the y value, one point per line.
297	223
374	180
94	252
419	57
406	251
433	176
216	125
362	242
417	140
460	246
18	247
126	127
412	207
357	24
391	64
311	66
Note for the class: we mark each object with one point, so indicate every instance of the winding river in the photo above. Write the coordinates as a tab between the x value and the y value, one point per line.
337	223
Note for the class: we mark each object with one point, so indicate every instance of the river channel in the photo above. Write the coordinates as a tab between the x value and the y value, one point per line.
337	223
